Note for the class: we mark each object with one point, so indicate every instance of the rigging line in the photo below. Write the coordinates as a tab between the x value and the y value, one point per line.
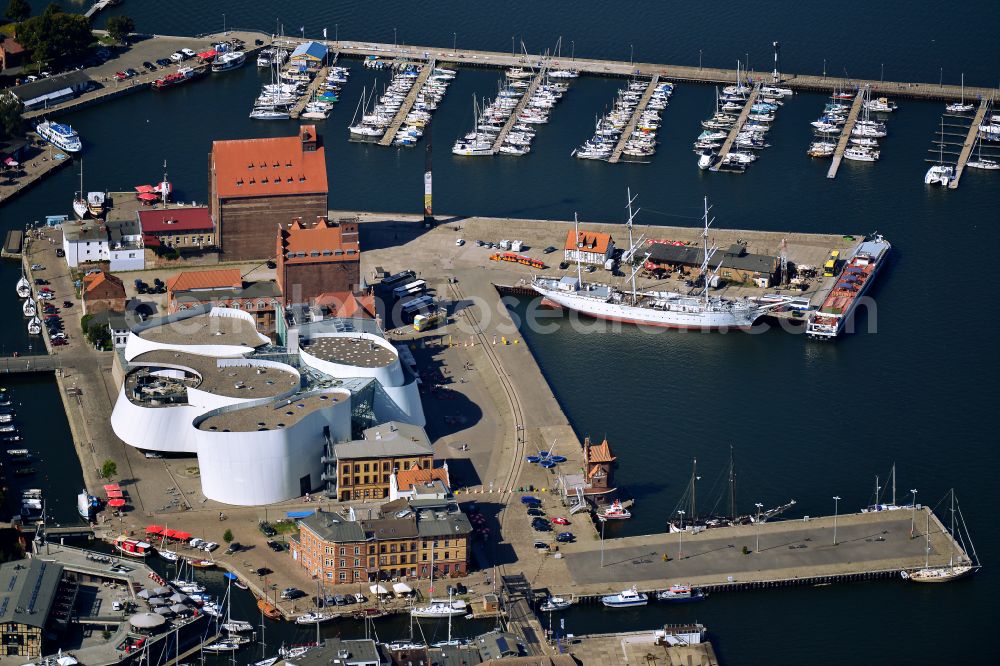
666	214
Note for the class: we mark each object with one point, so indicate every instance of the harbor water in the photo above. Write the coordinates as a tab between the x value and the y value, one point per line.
807	421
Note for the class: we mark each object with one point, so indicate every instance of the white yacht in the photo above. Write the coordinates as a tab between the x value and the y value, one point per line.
555	604
441	608
314	618
625	599
34	326
228	61
861	154
60	135
939	174
28	308
23	287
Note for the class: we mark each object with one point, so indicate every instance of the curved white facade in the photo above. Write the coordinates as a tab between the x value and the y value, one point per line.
263	467
220	403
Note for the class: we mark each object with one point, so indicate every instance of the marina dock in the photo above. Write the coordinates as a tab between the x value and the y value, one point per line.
693	74
616	154
512	120
314	85
737	128
845	135
404	110
970	142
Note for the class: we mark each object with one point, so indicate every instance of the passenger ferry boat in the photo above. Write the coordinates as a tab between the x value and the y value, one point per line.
625	599
653	308
851	285
228	61
680	594
60	135
133	547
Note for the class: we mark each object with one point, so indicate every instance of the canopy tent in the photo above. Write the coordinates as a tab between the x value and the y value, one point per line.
208	55
149	196
163	610
162	591
154	529
178	597
378	589
115	494
144	594
157	601
112	486
401	588
11	162
117	503
180	609
144	189
177	534
146	620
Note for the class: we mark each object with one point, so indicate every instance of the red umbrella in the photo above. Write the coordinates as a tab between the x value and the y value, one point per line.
154	529
116	503
111	486
148	196
115	494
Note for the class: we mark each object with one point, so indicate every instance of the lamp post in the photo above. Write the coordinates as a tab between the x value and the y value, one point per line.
913	512
941	78
699	60
454	41
336	33
836	505
680	538
603	521
512	46
572	50
881	76
824	69
756	547
393	38
631	52
223	23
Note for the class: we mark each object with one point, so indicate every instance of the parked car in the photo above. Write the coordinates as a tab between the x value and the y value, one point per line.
163	62
565	537
234	547
559	520
196	542
266	528
177	57
209	546
37	267
67	304
535	512
275	546
148	65
188	53
131	72
40	281
121	76
460	242
270	265
60	252
59	342
292	593
541	545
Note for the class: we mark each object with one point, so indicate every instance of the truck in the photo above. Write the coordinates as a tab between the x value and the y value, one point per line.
410	289
515	246
423	322
413	307
398	278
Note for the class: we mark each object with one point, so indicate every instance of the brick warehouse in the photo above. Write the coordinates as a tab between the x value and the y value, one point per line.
257	185
318	257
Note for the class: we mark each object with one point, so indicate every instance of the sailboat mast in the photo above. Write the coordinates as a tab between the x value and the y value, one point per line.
927	541
732	485
705	254
631	244
694	506
894	484
951	558
579	270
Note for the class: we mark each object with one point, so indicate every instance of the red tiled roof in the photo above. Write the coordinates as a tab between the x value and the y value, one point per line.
214	279
171	220
93	281
406	479
345	304
599	453
270	167
593	241
321	242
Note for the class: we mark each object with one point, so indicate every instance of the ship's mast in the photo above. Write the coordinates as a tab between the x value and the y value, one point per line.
951	558
894	484
732	485
707	253
579	270
631	245
694	479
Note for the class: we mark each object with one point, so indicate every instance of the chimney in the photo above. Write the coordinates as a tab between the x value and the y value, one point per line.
309	138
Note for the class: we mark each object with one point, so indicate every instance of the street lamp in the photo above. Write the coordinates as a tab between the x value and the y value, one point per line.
881	76
393	38
572	50
756	548
512	46
603	522
454	41
824	69
223	23
336	32
941	78
699	60
680	537
631	52
836	505
913	511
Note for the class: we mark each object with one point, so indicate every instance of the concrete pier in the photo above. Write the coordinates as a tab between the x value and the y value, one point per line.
970	142
734	132
845	134
404	110
314	85
616	154
525	98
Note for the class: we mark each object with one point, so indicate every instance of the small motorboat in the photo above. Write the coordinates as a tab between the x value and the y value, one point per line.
314	618
680	593
555	604
625	599
615	512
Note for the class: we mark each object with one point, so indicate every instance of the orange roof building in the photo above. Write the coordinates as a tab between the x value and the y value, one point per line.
590	247
213	279
256	185
405	483
316	258
599	466
103	292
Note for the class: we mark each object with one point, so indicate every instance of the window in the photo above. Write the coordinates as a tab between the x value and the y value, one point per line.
343	551
427	464
385	478
392	548
366	467
385	467
366	478
357	468
357	561
347	469
343	575
357	551
357	480
343	563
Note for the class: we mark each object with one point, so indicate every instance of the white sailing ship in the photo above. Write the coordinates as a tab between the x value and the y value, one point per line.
654	308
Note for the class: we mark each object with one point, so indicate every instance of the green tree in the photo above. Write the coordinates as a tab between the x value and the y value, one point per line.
17	10
227	536
109	468
11	121
55	37
119	28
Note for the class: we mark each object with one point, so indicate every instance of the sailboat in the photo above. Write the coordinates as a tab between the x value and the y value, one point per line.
960	107
34	326
981	162
164	552
23	287
231	625
878	505
940	173
28	308
80	201
954	569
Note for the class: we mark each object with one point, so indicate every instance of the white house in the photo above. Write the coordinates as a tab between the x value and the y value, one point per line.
117	242
589	247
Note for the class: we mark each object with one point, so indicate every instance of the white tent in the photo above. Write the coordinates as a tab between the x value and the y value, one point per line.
402	588
378	589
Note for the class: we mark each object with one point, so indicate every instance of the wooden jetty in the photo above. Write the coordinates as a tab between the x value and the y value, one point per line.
98	6
300	103
404	110
528	92
694	74
970	142
845	135
727	146
616	154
